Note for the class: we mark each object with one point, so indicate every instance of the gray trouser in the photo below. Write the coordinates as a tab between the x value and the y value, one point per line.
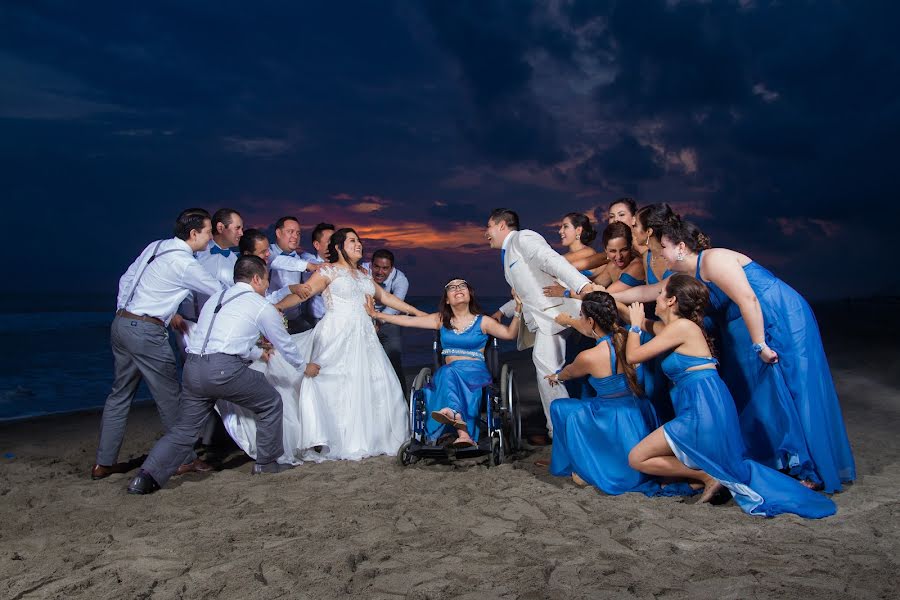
140	350
218	377
391	339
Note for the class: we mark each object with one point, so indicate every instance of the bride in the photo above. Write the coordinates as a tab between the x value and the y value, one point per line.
354	407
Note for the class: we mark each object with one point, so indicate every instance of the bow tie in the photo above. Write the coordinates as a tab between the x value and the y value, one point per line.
288	254
216	250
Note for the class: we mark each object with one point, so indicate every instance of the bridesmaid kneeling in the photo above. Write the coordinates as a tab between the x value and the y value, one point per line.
703	442
592	436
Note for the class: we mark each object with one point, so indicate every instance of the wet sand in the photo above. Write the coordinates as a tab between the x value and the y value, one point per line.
373	529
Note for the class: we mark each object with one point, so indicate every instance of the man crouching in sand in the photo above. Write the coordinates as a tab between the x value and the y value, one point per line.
220	348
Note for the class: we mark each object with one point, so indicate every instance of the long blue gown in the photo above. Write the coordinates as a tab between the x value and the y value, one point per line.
789	411
457	385
593	436
705	435
656	384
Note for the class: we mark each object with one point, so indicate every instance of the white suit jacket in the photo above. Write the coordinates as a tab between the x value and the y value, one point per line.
530	264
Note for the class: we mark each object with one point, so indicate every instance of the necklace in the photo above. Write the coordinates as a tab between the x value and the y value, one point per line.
460	331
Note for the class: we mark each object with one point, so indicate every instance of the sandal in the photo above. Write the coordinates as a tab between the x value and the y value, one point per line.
466	443
455	419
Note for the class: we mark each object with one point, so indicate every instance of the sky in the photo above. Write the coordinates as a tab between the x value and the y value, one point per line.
773	125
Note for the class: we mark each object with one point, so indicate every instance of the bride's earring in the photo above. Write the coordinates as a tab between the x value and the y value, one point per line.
680	256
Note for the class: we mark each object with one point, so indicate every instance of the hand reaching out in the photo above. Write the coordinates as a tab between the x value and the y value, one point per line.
370	306
554	291
564	319
768	356
302	291
179	324
636	313
313	267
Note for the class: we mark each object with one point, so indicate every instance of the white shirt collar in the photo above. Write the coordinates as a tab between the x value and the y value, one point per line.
506	239
244	286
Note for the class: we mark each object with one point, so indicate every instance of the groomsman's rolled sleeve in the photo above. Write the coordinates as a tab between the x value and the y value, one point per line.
399	287
508	309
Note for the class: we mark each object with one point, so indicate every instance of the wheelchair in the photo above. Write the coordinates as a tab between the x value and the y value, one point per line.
500	415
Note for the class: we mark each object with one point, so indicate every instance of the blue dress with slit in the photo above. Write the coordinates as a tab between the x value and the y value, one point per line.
789	411
457	385
705	434
592	437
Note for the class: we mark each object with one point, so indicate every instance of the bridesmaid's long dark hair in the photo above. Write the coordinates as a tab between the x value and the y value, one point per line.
447	312
601	307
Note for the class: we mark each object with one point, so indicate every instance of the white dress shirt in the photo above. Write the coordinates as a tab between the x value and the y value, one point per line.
285	269
396	283
238	325
316	304
165	282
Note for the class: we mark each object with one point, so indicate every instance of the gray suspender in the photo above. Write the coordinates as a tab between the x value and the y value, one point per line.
137	279
212	322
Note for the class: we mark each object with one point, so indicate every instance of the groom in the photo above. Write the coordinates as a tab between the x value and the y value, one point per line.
530	264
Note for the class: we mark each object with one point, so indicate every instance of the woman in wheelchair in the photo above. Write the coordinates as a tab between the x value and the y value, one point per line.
593	436
454	398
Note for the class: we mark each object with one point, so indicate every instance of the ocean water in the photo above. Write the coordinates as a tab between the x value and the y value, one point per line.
59	361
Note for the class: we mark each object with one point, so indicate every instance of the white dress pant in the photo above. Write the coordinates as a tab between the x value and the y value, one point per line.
549	355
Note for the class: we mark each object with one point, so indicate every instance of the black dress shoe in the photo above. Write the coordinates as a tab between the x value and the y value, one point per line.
270	468
143	484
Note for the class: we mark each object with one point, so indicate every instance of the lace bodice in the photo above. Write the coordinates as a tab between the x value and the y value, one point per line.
347	290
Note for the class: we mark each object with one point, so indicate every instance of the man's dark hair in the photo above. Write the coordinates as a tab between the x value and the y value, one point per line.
247	266
383	253
248	242
223	216
189	220
319	230
279	224
507	216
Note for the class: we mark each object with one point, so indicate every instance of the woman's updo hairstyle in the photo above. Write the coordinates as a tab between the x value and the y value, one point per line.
629	202
653	216
692	297
678	230
616	230
336	245
601	307
588	233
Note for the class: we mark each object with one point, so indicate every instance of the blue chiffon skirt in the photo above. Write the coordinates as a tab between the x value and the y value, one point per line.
705	434
457	386
592	437
790	416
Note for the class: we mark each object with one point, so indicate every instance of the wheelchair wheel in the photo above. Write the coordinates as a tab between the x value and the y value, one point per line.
498	455
423	378
404	456
509	398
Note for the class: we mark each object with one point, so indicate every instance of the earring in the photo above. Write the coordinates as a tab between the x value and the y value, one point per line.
680	256
577	237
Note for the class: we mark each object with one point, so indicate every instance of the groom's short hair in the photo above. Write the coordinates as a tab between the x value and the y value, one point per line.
247	266
507	216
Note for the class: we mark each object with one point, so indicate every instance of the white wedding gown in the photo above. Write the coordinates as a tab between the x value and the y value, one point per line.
354	407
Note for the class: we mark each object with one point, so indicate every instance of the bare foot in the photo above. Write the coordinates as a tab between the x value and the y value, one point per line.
578	480
710	491
812	485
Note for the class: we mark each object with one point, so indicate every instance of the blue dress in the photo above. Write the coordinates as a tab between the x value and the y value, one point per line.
651	277
705	435
789	411
593	436
457	385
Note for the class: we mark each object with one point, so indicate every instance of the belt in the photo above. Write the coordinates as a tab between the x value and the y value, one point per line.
124	313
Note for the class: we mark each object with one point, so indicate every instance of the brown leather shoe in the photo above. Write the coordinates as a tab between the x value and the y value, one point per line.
542	462
103	471
198	466
539	439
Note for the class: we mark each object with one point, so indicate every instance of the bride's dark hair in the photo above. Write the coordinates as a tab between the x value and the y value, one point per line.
336	245
447	312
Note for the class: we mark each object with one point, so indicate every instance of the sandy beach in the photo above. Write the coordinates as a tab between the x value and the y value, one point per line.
373	529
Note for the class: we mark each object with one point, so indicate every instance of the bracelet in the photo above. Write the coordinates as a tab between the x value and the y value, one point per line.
759	347
567	294
634	328
518	313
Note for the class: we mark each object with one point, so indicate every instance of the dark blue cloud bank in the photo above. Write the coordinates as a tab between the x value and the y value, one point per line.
773	124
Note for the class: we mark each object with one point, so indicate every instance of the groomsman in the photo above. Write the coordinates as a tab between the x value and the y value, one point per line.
287	267
529	265
394	281
219	351
321	235
221	253
149	294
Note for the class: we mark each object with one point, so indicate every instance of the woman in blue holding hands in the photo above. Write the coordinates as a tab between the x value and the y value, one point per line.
454	396
772	359
593	436
703	442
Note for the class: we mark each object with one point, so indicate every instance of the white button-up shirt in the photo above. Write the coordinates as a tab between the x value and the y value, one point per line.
238	325
285	270
396	283
315	306
165	282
